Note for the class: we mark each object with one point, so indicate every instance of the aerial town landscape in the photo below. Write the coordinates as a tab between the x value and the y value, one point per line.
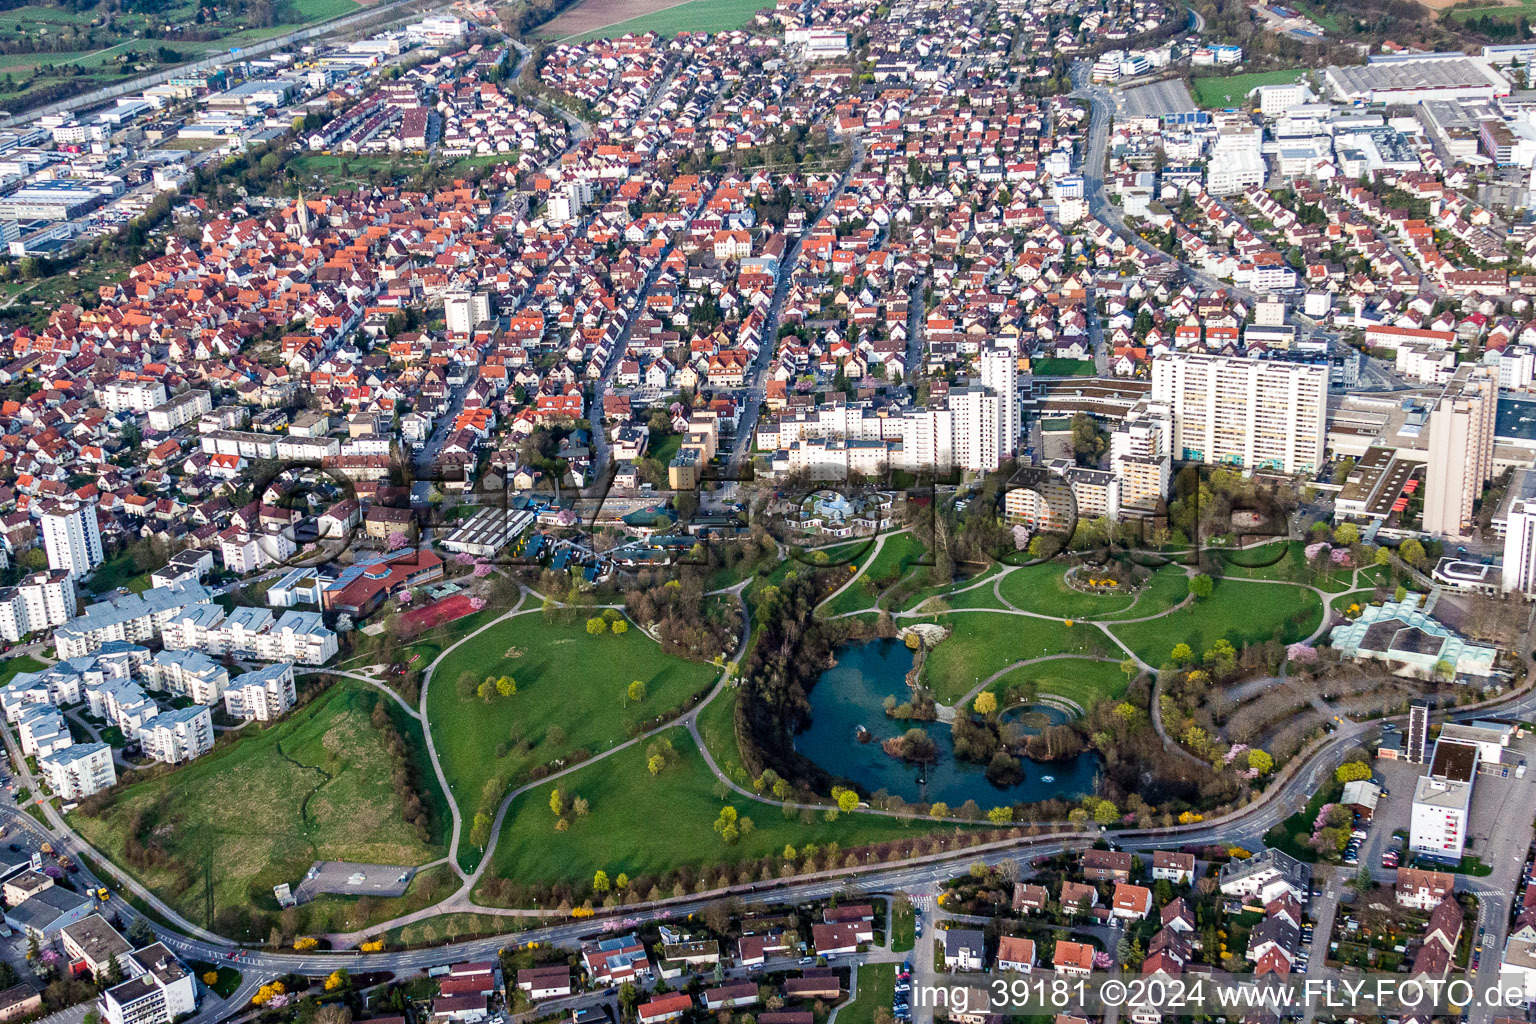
767	511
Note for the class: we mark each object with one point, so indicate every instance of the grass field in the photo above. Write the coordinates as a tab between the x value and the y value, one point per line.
1495	12
624	830
877	987
900	552
447	927
1063	367
10	667
717	727
314	786
1080	680
903	926
1360	597
1261	563
1230	90
694	16
1243	612
567	681
983	643
118	571
1043	588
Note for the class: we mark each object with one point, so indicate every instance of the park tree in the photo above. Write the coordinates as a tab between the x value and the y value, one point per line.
600	881
1352	771
556	802
1382	557
480	830
1000	815
1347	534
985	703
847	799
597	624
1201	586
655	763
1260	761
619	627
485	690
1181	654
637	691
1412	552
506	686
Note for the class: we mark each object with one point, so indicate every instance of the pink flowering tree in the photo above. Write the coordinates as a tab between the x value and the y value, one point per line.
1302	654
398	540
482	570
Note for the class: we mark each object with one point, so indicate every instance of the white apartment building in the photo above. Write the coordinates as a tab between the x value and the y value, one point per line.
137	396
124	703
465	311
41	601
177	736
179	411
190	674
160	990
1460	463
1140	456
1442	802
43	731
262	695
1257	414
253	632
132	618
72	539
79	771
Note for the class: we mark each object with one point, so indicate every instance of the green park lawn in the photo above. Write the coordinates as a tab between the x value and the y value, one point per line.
1230	90
1063	367
567	681
1269	562
956	594
877	987
1164	591
1082	681
693	16
16	664
980	644
1360	597
717	727
644	824
1043	588
903	926
898	555
1242	612
260	809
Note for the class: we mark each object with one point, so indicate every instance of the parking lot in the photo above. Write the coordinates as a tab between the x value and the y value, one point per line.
348	879
1154	99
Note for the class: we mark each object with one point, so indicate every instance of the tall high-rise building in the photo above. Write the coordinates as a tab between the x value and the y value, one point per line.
465	311
1520	533
1461	427
1140	449
72	539
1418	731
986	415
1254	413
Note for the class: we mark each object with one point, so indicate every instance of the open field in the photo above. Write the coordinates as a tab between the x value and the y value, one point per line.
982	643
1229	90
621	833
1079	680
1043	588
571	695
1165	590
877	987
717	727
1063	367
18	663
1242	612
1266	562
448	927
598	19
315	786
1454	14
897	557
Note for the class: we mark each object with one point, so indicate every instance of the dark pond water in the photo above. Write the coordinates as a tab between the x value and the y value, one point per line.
853	693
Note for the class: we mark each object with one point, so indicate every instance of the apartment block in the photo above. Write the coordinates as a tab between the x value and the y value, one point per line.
178	736
78	771
41	601
1460	464
160	990
262	695
1256	414
252	632
72	539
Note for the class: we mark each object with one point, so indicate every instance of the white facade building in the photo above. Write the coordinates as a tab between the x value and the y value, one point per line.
1256	414
78	771
262	695
39	602
72	539
178	736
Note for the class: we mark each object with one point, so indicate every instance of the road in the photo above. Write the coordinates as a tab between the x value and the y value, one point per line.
746	423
